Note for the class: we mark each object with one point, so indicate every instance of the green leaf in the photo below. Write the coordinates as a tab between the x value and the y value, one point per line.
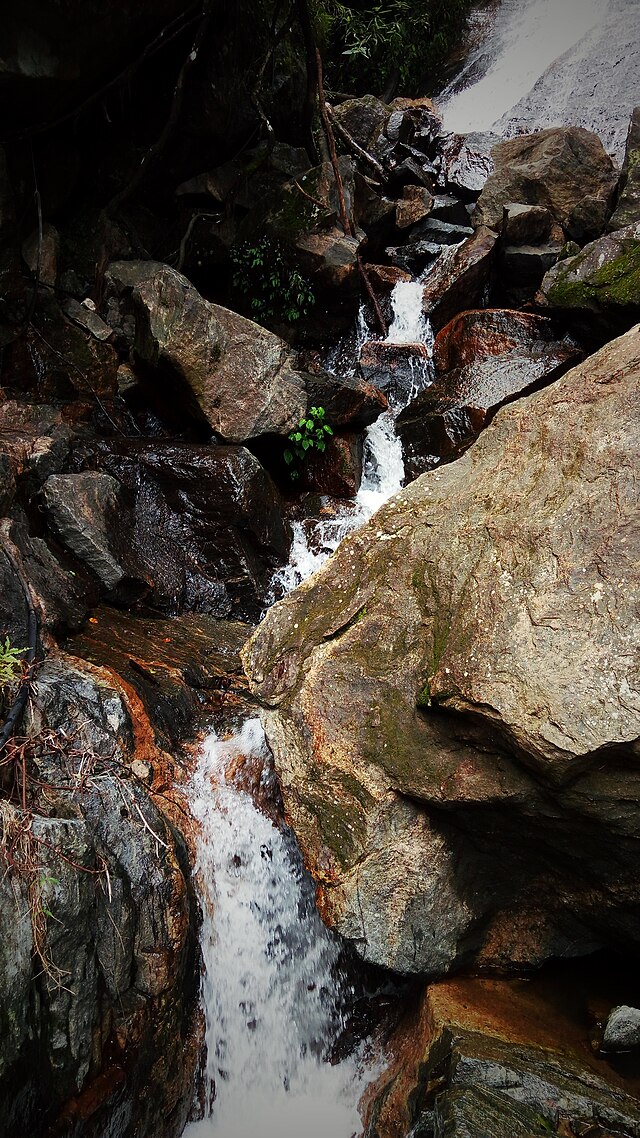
288	457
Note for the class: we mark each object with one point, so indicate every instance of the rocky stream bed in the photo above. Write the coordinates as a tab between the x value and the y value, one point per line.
435	620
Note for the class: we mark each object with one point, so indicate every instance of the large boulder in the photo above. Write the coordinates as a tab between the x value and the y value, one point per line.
565	169
99	959
627	211
600	285
453	701
240	376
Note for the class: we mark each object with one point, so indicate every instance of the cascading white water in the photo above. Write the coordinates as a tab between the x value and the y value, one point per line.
271	990
524	38
383	475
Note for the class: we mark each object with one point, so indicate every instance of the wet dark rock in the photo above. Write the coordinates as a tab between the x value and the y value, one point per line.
240	376
35	441
115	917
338	471
347	401
487	1059
469	163
205	527
57	361
484	359
385	277
394	368
373	211
525	224
447	207
627	211
414	169
441	232
459	278
7	206
413	257
566	170
177	666
600	285
459	776
85	316
84	511
522	267
622	1031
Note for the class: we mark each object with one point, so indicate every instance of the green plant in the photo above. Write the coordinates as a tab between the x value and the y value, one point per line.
9	662
401	42
310	434
277	290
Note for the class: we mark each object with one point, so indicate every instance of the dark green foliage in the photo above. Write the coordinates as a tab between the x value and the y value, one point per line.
369	47
311	434
275	291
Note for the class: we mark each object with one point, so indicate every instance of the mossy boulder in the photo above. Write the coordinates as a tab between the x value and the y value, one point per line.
601	281
453	701
627	210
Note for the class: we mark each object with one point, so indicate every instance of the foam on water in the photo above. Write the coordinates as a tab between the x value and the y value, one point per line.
271	988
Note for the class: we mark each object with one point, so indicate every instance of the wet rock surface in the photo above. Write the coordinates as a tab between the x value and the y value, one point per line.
203	524
430	795
460	277
99	892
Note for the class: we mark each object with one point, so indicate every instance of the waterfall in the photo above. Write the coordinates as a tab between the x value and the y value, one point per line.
272	992
524	38
383	474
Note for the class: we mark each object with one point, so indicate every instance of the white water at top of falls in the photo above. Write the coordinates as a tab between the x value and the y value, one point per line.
271	989
524	38
383	475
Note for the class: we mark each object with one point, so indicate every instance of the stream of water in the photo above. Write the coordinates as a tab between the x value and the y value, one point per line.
272	989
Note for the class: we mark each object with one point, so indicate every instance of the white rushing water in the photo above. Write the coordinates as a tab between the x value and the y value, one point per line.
524	38
542	63
271	991
383	475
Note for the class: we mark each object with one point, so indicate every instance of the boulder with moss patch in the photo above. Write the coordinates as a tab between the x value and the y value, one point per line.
601	283
453	701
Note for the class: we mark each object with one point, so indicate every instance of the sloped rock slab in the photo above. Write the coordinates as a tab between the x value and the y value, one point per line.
459	278
485	359
627	210
452	700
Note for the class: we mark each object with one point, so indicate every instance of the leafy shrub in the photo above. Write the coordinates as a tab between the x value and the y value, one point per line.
369	45
9	662
310	434
276	291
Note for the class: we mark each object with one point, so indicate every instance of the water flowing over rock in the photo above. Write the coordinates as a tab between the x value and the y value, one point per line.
566	170
453	702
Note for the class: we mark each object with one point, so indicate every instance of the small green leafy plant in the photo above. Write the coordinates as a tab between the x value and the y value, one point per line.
311	433
277	291
9	662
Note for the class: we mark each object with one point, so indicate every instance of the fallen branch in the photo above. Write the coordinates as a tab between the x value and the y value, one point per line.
357	149
345	220
380	320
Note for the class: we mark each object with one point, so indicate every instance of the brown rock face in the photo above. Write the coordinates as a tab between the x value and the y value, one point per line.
240	376
565	169
459	277
453	701
628	208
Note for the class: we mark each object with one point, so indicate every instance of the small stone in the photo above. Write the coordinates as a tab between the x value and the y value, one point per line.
141	770
416	204
622	1032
